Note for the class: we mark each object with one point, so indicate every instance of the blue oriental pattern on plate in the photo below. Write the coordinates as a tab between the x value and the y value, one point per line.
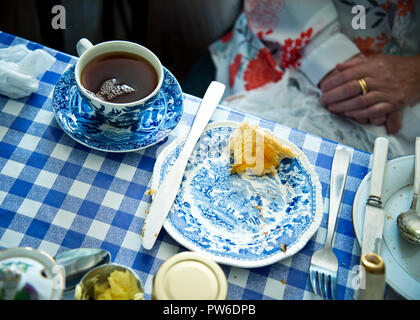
82	124
240	220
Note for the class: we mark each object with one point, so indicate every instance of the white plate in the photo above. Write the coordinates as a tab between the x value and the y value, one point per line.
240	220
402	259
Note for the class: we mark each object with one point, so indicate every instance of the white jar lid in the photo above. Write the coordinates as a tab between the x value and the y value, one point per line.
189	276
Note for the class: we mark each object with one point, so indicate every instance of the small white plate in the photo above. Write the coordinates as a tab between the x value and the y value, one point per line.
240	220
402	258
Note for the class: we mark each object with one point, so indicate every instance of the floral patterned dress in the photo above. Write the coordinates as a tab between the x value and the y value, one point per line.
279	50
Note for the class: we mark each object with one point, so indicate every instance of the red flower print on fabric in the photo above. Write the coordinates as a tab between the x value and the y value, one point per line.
386	5
227	37
261	70
291	49
365	45
404	7
261	34
263	14
382	40
234	69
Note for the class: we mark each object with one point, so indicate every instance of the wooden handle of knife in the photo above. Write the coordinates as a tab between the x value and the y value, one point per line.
380	152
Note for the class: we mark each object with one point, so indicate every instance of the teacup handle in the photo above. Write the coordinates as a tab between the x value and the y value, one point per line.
83	45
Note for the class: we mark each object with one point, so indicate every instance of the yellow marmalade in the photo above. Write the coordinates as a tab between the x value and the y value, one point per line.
121	285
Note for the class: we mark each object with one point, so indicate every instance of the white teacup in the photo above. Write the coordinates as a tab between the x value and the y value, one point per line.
117	114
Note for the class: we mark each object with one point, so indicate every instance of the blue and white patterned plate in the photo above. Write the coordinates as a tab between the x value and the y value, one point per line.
401	257
77	119
240	220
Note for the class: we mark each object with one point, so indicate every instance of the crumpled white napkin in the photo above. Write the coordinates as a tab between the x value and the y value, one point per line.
19	69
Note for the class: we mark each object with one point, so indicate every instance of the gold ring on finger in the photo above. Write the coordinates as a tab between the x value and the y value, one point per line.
363	85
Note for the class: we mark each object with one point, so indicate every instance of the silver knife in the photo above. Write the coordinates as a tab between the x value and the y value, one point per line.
168	189
374	213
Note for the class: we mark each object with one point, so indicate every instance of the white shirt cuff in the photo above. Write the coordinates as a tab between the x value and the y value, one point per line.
324	58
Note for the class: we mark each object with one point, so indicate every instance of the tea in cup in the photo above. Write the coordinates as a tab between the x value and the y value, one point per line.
118	79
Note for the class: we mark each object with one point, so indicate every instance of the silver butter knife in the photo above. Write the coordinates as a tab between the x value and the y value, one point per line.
168	189
374	214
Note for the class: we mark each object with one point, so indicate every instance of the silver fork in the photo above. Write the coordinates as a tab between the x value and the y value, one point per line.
324	263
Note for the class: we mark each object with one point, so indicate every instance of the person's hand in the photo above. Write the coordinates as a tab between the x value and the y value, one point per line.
393	82
376	121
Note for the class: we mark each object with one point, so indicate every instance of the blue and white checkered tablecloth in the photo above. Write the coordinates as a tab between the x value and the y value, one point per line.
56	194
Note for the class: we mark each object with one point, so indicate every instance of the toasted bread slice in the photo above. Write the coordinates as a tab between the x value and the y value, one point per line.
256	151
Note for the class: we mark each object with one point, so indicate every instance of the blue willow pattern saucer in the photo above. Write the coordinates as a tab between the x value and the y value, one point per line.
78	120
240	220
